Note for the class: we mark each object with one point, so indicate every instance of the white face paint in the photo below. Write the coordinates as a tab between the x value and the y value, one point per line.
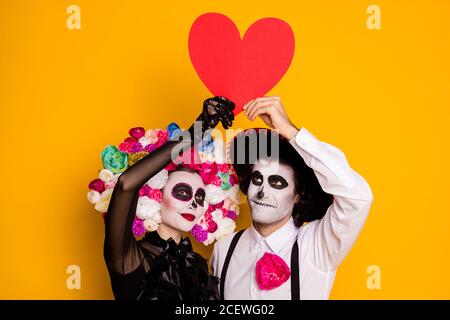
271	192
183	200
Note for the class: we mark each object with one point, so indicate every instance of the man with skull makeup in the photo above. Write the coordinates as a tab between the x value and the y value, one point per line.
308	207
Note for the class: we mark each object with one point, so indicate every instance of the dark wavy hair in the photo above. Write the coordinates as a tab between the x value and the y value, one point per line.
314	202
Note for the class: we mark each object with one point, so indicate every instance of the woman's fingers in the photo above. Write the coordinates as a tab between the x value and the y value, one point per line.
226	103
225	120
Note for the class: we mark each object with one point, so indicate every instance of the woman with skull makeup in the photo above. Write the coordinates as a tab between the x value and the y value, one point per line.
162	265
307	205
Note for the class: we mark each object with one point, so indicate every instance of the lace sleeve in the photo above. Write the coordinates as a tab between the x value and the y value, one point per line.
121	252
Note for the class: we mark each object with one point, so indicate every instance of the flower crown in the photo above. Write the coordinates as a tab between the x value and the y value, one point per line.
221	182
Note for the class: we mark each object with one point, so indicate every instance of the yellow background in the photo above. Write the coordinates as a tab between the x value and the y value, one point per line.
382	96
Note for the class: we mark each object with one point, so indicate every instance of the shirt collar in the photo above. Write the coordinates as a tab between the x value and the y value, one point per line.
276	240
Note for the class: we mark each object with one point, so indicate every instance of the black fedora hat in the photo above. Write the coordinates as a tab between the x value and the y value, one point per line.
251	144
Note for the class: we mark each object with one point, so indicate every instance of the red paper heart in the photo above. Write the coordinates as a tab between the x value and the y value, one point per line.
240	70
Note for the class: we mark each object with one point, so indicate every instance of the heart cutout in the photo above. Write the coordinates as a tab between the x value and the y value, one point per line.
240	69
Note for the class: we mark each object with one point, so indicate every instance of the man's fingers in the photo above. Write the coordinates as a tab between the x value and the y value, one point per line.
257	102
249	107
254	108
261	99
260	111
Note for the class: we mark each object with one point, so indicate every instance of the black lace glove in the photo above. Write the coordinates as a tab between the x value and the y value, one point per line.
217	109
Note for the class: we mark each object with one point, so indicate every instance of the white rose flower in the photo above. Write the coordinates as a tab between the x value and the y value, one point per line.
147	208
226	226
116	177
211	238
103	203
93	196
217	215
235	195
150	225
214	194
144	141
159	180
219	151
106	175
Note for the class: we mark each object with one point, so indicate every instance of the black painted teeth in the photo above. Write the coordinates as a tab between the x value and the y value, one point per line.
263	204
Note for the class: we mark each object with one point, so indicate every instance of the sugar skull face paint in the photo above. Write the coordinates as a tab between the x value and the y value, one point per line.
271	193
183	200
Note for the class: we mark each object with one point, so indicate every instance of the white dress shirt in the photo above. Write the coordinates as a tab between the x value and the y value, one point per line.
323	244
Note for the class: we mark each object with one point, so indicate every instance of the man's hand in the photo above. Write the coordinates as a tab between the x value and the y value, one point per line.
271	111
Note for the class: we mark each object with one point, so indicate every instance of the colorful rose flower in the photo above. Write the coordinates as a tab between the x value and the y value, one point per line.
97	185
149	147
138	227
111	184
155	194
232	214
199	234
135	157
136	147
163	137
137	132
212	226
113	159
152	135
271	271
144	190
174	130
207	145
225	180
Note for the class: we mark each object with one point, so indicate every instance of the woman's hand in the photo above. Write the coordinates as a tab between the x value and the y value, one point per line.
271	111
215	110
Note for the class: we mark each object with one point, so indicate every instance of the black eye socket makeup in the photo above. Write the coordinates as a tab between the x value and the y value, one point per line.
182	191
257	178
277	182
200	197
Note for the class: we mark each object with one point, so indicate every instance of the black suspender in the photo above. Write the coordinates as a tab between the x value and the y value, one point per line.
227	261
295	271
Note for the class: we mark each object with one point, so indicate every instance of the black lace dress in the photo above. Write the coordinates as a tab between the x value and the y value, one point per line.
151	268
176	273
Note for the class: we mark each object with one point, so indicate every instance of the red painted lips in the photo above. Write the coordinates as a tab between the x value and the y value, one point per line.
188	216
